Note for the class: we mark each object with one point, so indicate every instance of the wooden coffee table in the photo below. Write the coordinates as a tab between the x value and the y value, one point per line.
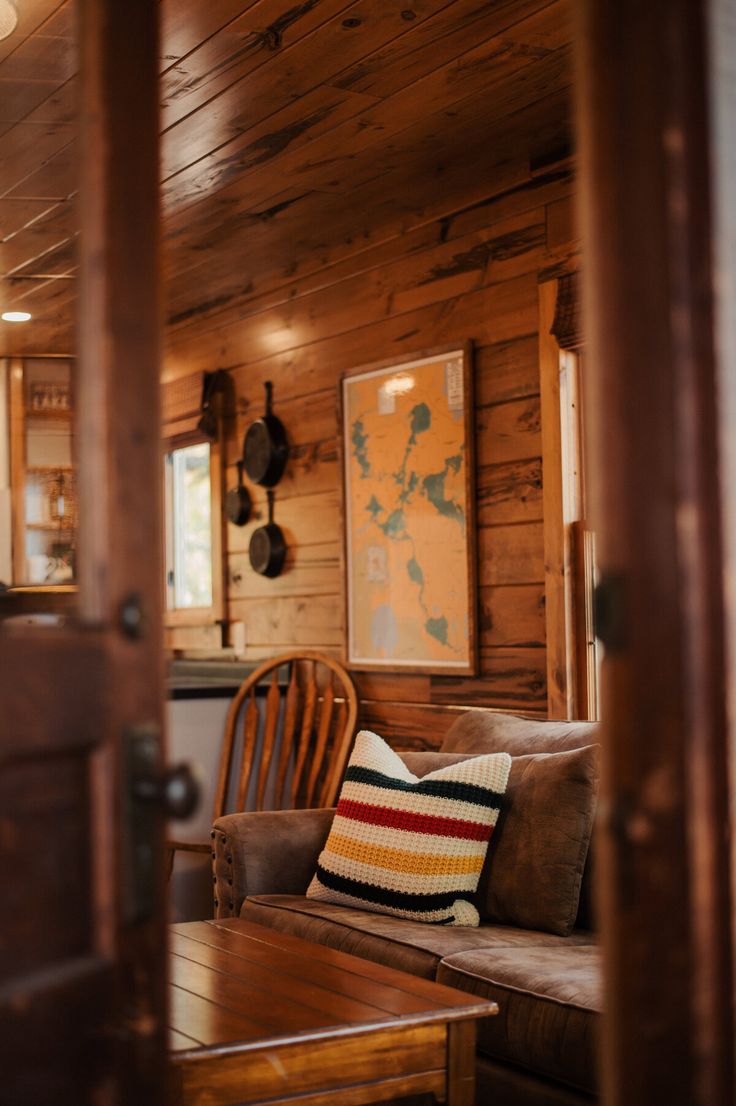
261	1016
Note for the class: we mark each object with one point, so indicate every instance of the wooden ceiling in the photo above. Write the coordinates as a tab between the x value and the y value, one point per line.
291	132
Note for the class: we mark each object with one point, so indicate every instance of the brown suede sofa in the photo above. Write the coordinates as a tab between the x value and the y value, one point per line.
541	1049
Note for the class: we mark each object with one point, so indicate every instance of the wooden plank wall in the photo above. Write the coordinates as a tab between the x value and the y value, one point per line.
472	273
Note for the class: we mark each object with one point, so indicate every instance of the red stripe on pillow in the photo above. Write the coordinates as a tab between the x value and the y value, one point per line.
413	823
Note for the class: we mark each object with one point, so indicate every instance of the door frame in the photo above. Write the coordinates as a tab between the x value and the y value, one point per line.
656	103
83	975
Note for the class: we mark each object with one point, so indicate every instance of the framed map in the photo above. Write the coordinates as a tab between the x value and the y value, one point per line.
407	452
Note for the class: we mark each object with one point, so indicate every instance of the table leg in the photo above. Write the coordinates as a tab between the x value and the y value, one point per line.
461	1063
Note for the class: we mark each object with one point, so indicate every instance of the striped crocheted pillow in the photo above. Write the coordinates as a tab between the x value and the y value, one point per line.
407	846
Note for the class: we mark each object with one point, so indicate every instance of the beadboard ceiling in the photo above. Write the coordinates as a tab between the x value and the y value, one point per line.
288	130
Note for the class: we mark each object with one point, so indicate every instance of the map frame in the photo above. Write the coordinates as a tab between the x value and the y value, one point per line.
467	664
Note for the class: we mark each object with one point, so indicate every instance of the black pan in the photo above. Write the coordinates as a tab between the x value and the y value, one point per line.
265	449
267	549
238	503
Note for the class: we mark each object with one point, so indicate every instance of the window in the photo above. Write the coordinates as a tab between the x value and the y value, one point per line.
192	522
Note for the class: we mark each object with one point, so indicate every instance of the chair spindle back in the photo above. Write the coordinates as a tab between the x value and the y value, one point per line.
289	748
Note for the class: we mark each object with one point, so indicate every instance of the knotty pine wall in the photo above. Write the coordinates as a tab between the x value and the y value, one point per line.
473	273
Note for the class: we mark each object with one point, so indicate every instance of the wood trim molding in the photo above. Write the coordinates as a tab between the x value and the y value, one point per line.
721	41
557	556
219	523
17	467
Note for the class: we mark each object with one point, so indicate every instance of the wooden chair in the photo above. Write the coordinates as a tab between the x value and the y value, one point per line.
299	763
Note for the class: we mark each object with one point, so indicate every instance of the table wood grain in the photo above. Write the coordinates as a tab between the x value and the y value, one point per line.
258	1016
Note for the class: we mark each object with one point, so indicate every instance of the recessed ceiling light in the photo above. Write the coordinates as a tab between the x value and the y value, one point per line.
8	18
15	316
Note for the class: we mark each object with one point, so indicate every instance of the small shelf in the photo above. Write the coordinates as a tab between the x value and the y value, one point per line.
42	589
52	526
49	468
50	414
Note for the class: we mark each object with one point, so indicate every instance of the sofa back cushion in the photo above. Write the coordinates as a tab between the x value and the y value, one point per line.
488	731
533	876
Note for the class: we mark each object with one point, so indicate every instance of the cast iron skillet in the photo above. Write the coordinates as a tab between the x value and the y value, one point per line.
238	503
265	449
267	548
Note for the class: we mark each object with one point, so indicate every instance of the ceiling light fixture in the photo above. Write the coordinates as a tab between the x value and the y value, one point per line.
15	316
8	18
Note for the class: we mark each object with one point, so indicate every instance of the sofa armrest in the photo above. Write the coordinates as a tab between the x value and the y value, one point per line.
268	852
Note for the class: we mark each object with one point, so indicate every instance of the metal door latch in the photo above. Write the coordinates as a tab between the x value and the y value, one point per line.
150	795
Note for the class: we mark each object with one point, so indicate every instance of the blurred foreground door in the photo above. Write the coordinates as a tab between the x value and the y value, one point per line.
657	110
82	935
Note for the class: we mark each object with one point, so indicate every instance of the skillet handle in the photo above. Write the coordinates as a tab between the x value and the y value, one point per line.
268	385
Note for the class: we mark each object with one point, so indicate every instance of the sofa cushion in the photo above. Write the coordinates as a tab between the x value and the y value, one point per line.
549	999
533	875
492	731
410	847
486	731
411	946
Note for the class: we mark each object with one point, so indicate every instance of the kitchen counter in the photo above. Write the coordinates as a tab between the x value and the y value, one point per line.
212	679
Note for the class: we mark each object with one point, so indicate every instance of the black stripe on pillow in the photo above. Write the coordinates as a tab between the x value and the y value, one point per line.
400	900
444	789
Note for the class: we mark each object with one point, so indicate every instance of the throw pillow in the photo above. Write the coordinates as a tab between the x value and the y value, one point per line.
532	878
407	846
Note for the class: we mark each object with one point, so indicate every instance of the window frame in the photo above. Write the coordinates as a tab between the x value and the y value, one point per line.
215	613
573	654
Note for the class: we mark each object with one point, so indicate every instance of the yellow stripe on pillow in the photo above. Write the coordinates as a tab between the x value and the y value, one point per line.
402	861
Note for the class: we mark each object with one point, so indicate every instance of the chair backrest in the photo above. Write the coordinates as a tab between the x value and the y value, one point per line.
287	750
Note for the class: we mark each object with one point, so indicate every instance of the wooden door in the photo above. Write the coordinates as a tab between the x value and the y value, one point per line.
82	938
657	100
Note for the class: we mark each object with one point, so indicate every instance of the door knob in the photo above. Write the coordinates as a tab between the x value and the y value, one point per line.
182	791
177	790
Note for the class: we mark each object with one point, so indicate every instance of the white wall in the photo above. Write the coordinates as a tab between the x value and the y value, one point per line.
195	730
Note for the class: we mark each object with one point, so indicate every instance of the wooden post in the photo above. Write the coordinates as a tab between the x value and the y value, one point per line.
119	417
661	495
119	452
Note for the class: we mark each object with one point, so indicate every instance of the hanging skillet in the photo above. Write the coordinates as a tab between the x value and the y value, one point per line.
238	503
265	449
267	548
